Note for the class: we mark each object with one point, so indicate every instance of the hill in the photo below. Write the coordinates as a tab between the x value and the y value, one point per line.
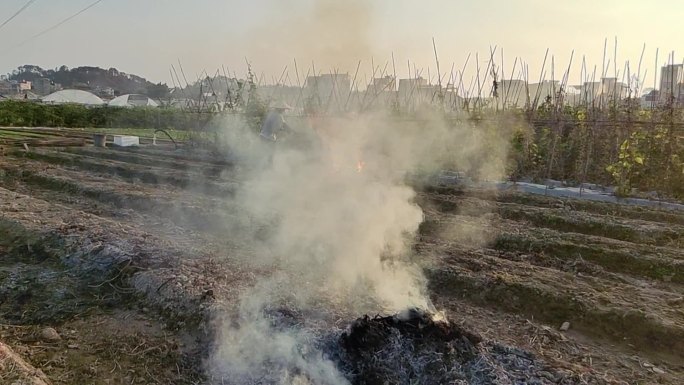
92	78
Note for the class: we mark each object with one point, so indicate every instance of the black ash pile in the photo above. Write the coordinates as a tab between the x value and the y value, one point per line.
413	348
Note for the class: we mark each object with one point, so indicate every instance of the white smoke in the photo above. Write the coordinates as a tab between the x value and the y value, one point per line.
336	223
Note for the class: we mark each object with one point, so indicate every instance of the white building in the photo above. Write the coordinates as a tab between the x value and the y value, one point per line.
649	98
132	100
611	89
512	93
328	91
74	97
671	82
24	86
281	93
540	92
385	84
410	94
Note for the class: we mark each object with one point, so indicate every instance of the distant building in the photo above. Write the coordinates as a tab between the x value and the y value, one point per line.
671	82
540	92
380	93
512	93
416	93
430	93
409	87
132	100
45	86
589	91
24	86
384	84
13	87
81	86
328	91
596	93
5	87
25	95
107	92
73	97
612	89
452	99
571	95
409	94
291	95
650	99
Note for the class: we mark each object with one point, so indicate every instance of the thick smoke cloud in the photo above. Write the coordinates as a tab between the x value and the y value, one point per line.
333	223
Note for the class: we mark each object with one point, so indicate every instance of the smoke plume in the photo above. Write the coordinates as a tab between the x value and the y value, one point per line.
333	224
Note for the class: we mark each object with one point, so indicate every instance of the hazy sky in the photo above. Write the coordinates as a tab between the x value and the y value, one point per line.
146	36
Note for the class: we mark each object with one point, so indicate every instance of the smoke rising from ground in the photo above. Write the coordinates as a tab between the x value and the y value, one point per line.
333	222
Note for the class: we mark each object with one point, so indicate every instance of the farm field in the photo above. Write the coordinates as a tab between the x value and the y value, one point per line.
124	253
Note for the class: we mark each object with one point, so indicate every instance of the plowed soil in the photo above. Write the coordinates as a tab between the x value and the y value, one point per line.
123	252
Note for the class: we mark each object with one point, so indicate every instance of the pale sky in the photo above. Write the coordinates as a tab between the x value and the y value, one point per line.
146	37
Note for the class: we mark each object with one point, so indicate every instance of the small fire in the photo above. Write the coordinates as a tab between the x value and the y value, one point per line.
360	165
440	316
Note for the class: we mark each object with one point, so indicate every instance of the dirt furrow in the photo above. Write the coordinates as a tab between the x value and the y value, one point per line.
640	261
645	317
627	211
149	175
196	154
566	219
206	168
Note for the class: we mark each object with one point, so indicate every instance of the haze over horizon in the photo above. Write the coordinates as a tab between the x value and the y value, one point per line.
146	38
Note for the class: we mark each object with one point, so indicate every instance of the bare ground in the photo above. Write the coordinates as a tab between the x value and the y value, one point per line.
124	254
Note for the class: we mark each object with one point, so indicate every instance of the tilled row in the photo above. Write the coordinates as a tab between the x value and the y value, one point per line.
194	180
215	216
208	215
664	264
645	317
559	219
170	277
463	272
183	288
218	216
142	158
197	155
621	210
567	219
204	179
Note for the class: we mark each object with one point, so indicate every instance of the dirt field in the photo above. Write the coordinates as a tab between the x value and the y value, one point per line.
124	254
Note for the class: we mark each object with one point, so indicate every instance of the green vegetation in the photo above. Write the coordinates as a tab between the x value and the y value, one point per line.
26	114
621	145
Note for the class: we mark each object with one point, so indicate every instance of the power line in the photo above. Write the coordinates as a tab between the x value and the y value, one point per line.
28	3
65	20
43	32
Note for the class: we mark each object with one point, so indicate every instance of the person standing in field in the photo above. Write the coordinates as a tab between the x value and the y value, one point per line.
271	127
274	123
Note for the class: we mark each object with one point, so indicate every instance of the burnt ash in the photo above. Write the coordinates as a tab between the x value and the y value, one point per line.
369	334
411	347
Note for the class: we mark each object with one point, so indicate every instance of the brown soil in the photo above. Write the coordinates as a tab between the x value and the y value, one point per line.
124	254
121	347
